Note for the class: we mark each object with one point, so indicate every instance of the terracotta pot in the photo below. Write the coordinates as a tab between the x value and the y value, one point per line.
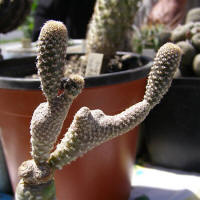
103	173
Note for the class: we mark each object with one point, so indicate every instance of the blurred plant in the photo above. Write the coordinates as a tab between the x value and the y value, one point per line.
27	26
187	37
151	36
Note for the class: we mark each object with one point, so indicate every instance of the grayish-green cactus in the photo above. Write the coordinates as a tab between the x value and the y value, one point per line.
189	53
36	192
109	30
185	31
193	15
181	32
196	41
187	37
109	25
196	65
89	128
48	118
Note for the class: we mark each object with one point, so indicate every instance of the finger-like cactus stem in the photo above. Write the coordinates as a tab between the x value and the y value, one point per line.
91	128
109	25
52	57
48	118
160	77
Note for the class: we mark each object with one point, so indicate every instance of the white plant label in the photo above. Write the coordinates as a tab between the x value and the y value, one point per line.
94	64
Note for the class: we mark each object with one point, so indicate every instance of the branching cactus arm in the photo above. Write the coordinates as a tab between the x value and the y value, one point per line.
48	118
109	25
36	176
91	128
51	57
161	75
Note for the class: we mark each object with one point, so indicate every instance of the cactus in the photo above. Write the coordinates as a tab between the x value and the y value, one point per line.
109	29
196	41
196	65
187	37
189	53
181	32
109	25
193	15
89	128
13	13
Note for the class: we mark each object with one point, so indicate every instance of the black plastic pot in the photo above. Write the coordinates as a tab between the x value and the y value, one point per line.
172	130
5	186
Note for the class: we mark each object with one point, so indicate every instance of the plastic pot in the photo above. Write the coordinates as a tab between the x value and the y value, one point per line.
5	186
103	173
172	129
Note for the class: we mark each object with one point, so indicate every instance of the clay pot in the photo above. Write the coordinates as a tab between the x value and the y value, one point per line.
103	173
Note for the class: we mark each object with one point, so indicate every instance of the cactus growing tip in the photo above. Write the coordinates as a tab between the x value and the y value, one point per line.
171	47
52	27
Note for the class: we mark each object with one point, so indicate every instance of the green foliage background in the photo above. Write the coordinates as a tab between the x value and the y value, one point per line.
27	26
147	36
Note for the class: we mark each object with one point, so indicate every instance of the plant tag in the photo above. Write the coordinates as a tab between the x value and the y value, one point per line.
94	64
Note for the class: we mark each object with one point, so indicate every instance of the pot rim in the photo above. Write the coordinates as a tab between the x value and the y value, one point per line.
92	81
